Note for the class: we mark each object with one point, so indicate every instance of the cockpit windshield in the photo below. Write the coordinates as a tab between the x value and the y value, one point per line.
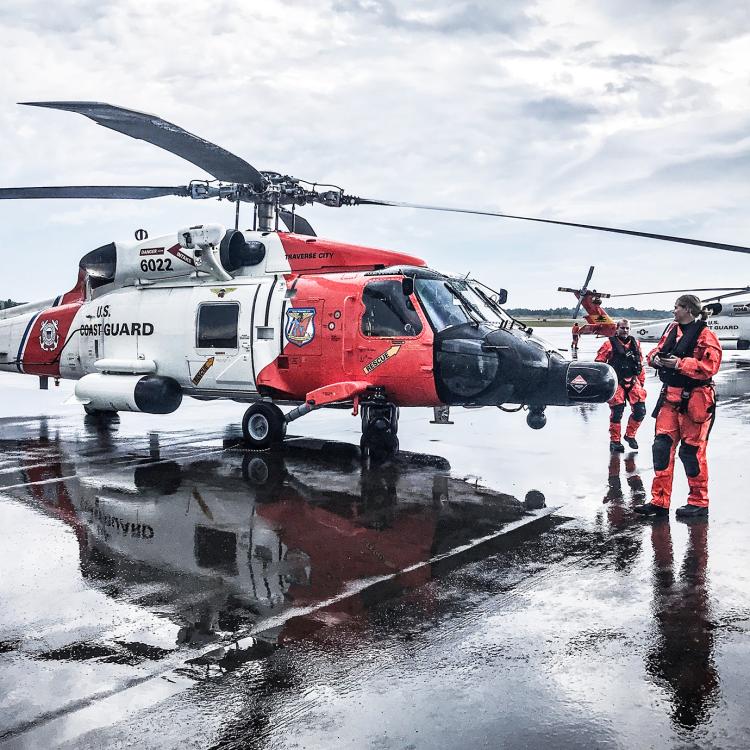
451	302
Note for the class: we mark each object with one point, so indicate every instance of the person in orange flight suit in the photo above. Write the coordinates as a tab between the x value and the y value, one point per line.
623	353
576	333
686	358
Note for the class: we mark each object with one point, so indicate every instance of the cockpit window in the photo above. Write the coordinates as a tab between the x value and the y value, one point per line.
451	302
388	311
441	306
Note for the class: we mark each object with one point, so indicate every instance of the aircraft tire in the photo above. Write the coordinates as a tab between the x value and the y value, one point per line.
379	446
263	426
386	416
265	474
99	413
379	431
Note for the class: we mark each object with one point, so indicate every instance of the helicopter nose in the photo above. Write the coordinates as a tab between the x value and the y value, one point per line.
574	382
502	367
591	382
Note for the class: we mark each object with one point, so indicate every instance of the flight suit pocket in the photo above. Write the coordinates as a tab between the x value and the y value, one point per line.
701	404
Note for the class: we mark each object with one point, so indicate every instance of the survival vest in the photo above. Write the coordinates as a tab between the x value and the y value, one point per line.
625	360
682	348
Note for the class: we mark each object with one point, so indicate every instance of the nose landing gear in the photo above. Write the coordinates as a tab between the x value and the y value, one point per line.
264	425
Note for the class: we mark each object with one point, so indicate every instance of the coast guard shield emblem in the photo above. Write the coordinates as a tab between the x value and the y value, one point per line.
300	325
48	337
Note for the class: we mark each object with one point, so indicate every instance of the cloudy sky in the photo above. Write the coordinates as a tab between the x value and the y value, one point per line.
633	113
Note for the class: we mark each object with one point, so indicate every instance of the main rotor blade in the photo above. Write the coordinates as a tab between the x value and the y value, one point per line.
584	288
724	296
632	233
215	160
677	291
139	192
588	278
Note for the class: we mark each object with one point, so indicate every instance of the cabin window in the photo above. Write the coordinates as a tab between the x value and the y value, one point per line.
388	312
217	326
216	549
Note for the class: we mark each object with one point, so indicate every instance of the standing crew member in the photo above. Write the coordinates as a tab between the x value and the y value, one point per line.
623	353
686	358
576	332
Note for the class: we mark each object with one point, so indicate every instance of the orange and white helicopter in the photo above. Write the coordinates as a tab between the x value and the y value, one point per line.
730	321
274	317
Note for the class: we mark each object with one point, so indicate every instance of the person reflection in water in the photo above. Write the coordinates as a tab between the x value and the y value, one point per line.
614	483
681	658
627	545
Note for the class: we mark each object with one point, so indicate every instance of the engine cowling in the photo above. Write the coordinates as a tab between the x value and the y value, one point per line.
209	249
152	394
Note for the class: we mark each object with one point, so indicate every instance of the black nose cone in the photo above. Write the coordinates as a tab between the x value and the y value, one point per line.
480	367
592	382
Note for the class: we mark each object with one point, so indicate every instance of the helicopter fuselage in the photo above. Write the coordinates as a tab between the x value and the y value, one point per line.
312	322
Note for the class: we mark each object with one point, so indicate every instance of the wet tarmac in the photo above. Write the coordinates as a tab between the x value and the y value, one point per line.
490	587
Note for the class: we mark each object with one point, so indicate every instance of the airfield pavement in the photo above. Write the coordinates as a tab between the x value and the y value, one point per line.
160	587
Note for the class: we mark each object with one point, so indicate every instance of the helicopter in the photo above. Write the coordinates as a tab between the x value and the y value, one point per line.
730	321
280	318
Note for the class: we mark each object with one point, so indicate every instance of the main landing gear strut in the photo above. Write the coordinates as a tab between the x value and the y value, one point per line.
379	429
264	426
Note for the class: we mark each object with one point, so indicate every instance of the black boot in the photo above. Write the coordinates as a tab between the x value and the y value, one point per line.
692	511
632	442
649	509
617	447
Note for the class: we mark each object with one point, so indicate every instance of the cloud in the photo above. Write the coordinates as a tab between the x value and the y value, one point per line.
627	61
611	112
54	18
558	109
458	18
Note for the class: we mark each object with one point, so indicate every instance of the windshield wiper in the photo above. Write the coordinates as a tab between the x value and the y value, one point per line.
505	316
470	310
490	303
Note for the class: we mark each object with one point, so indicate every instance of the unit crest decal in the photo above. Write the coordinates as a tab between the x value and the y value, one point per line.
48	336
300	325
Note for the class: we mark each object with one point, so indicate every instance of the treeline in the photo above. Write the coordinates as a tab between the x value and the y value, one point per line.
567	312
5	304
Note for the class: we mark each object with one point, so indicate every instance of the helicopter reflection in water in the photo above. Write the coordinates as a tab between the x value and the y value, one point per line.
219	545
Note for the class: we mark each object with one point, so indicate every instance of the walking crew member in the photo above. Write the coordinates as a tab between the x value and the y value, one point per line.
576	332
623	353
686	358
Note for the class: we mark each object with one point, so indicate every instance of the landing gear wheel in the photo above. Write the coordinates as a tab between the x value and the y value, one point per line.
263	426
379	447
265	474
102	414
379	431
